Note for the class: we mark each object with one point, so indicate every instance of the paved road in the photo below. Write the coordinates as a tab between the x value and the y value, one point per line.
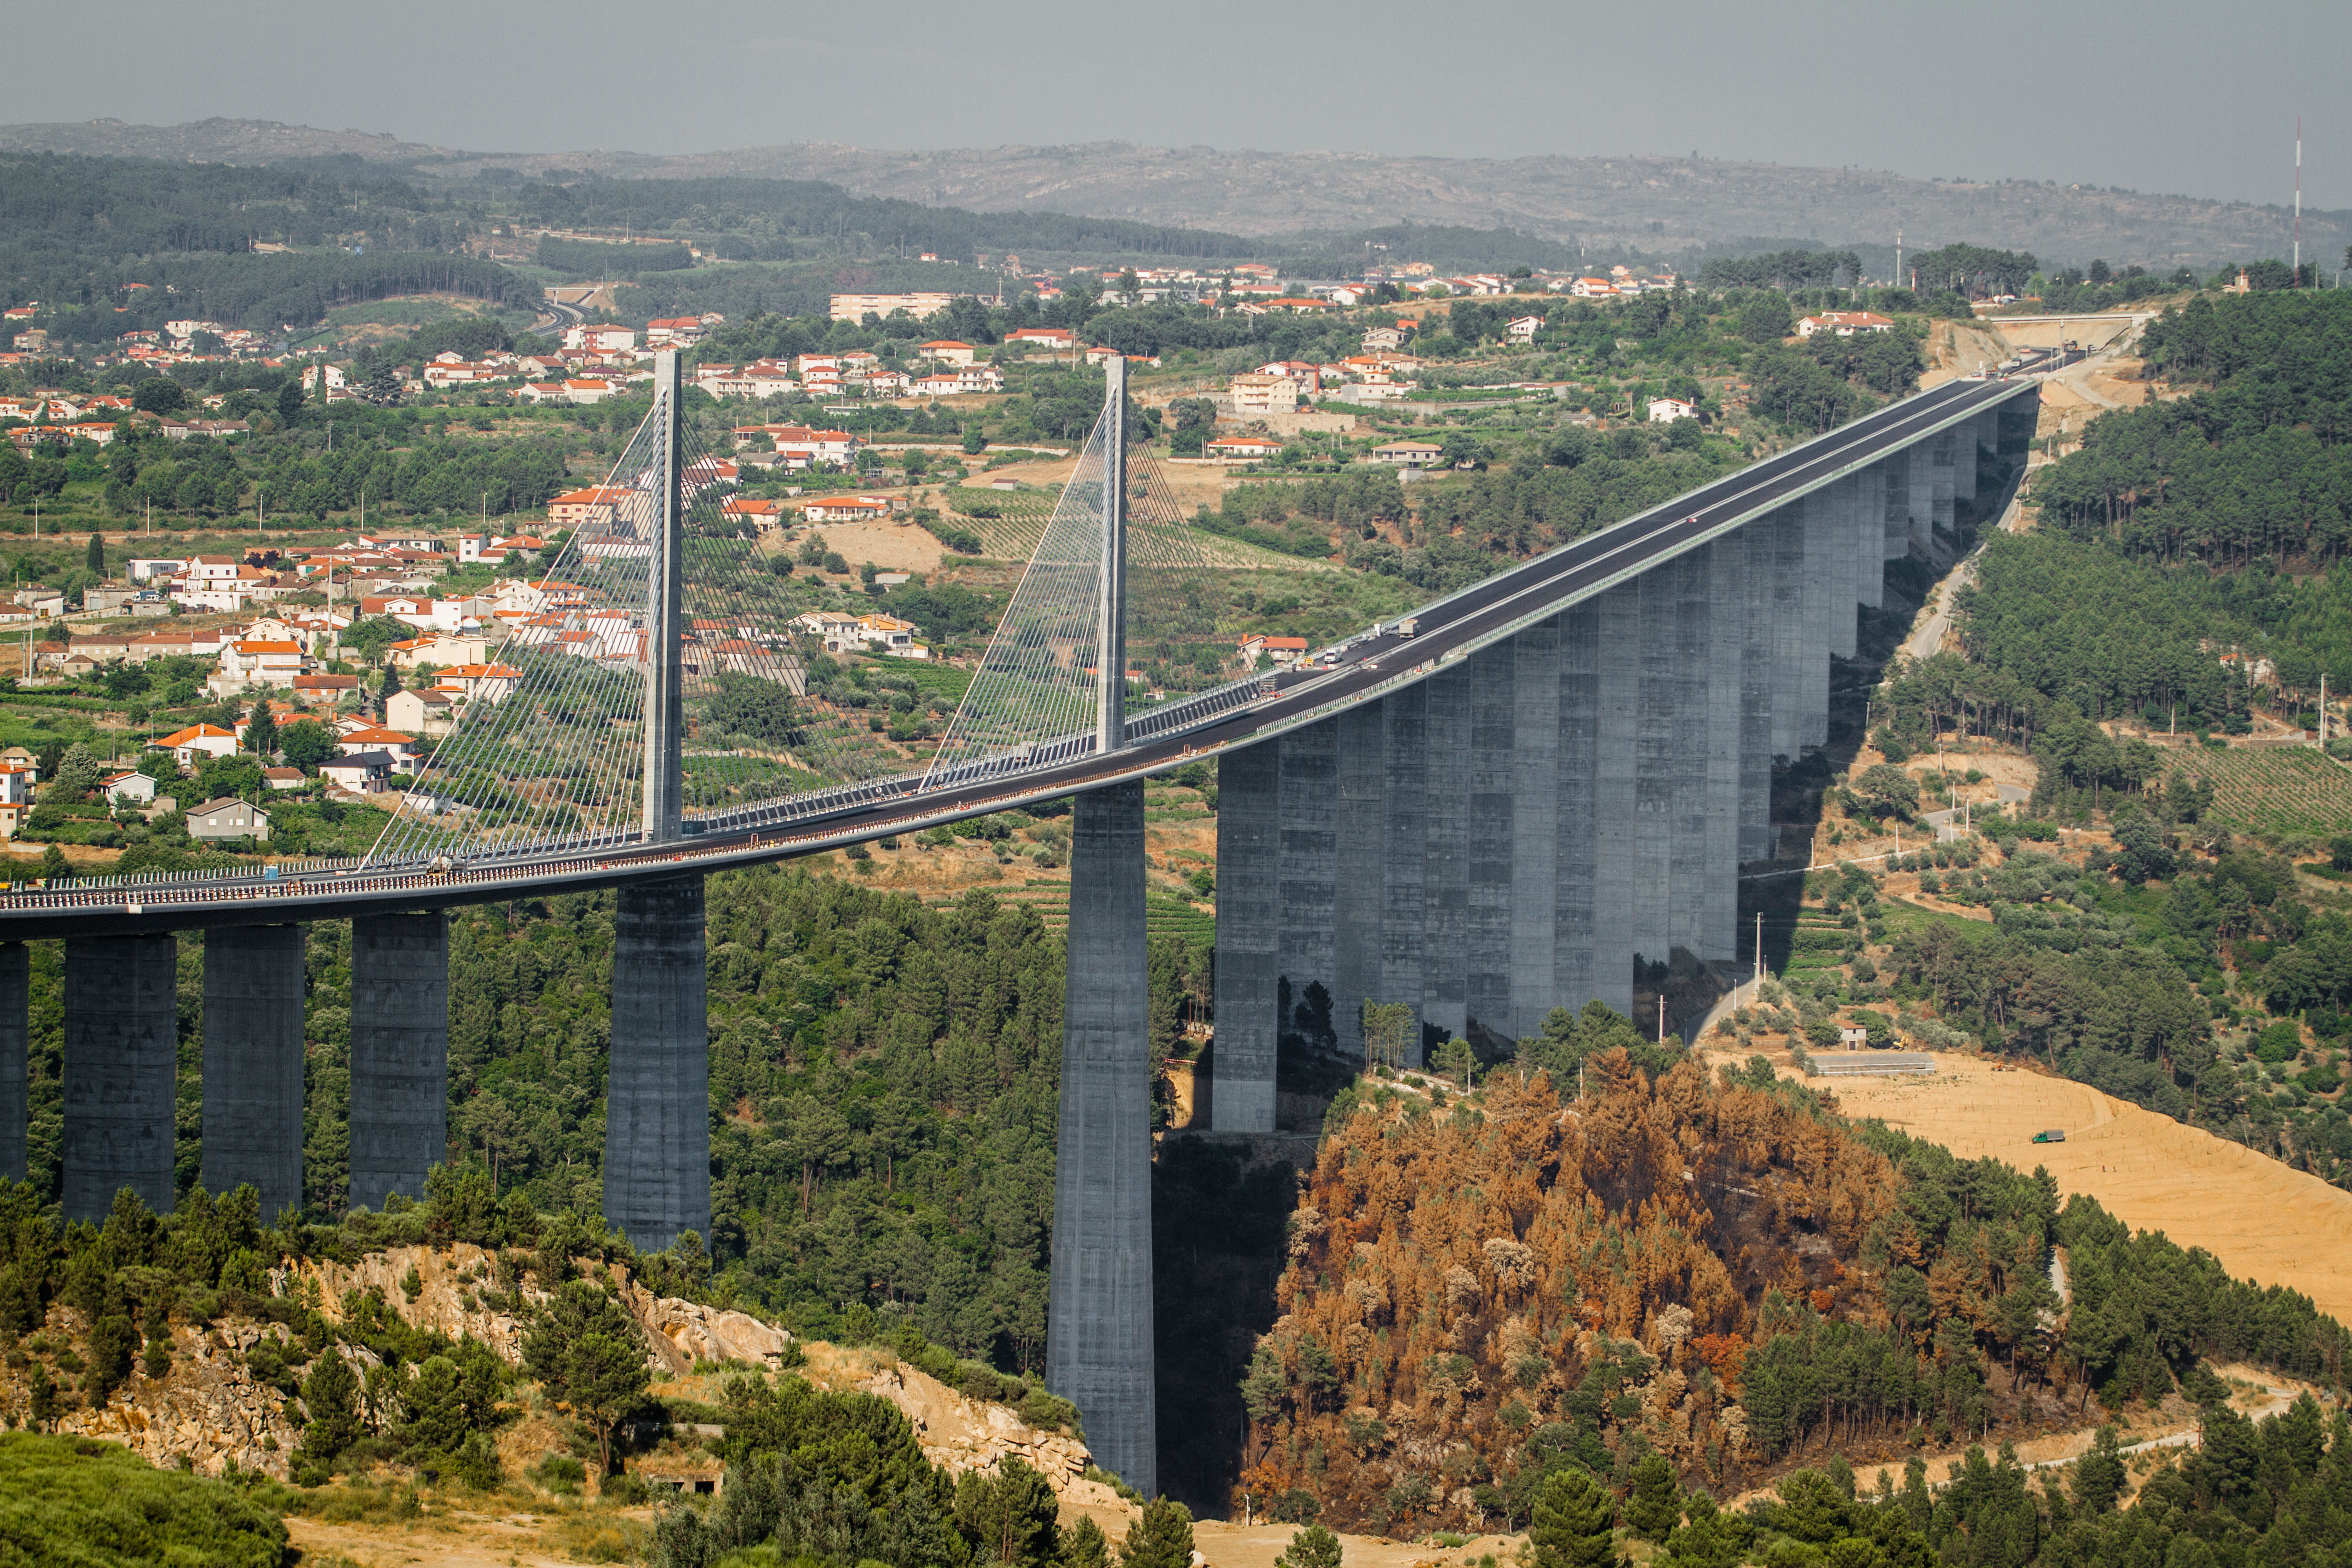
1345	676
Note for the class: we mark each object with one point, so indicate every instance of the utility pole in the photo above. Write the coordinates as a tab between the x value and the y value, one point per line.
1110	603
665	689
1662	1013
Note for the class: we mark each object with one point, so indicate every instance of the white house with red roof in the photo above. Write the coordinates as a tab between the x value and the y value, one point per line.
190	747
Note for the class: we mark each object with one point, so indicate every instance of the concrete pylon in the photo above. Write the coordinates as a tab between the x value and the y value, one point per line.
1839	517
1535	828
1895	470
1615	813
1445	863
1724	626
1576	806
1404	849
1308	821
1942	449
663	784
400	1054
1758	612
253	1063
1825	593
1785	530
1359	864
657	1086
1686	862
1870	534
15	1061
122	1056
1491	805
1242	1086
1099	1351
1654	764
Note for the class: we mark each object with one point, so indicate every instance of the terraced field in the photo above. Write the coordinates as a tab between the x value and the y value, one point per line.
2276	789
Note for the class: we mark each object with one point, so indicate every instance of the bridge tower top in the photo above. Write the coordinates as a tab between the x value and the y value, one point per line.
1110	613
664	781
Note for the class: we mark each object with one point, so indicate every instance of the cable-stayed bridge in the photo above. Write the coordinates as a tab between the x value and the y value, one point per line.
1484	810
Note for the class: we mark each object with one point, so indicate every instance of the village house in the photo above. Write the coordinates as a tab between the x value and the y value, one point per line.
284	778
360	773
1286	652
593	506
1666	410
1412	454
847	508
947	351
128	789
1843	323
604	338
1257	393
228	819
1240	448
431	711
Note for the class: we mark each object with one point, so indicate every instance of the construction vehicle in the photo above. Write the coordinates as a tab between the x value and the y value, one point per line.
2055	1136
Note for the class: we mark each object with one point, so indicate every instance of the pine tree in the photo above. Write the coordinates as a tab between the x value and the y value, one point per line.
261	735
1162	1538
54	863
1313	1547
1575	1522
1655	1504
97	556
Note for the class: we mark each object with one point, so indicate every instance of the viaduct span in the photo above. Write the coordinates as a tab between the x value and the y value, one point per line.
1486	811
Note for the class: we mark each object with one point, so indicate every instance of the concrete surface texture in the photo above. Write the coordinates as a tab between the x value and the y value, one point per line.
1099	1314
658	1087
253	1063
400	1054
16	1040
121	1054
1248	902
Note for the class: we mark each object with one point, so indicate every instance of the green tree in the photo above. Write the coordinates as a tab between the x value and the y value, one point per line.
96	558
54	863
43	1398
584	1350
1313	1547
1161	1537
1388	1032
78	772
2099	1474
158	394
330	1395
1084	1545
1654	1506
261	734
1009	1513
1885	790
1575	1522
305	743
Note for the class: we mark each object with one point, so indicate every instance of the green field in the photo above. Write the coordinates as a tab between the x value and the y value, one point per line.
2276	790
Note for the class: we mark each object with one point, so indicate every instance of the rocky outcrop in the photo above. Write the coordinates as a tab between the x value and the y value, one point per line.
208	1407
683	1333
960	1433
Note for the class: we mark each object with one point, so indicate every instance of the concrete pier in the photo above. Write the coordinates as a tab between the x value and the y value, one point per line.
1723	734
1241	1094
1575	804
121	1056
16	1059
1492	800
1752	549
1821	590
1870	535
400	1054
1614	809
1404	851
1895	470
1654	762
1358	865
1687	870
1785	529
1446	865
658	1087
1308	814
1099	1331
253	1063
1533	927
1942	449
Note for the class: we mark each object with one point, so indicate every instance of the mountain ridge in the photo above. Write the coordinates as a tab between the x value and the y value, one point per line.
1650	202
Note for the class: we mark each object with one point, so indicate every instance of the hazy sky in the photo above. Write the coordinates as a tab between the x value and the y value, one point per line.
2154	95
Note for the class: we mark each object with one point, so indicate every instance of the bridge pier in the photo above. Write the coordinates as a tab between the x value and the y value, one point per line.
1403	845
1895	470
1532	932
1249	914
657	1083
121	1058
1099	1326
1724	734
253	1063
400	1054
16	1057
1445	862
1492	797
1751	553
1819	599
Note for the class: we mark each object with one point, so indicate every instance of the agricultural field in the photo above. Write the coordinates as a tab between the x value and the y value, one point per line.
2277	789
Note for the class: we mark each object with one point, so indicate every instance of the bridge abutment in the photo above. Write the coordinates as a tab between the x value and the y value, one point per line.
657	1083
253	1063
121	1058
1099	1329
400	1054
16	1057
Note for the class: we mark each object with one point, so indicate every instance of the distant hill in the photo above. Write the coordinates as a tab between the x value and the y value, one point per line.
1655	204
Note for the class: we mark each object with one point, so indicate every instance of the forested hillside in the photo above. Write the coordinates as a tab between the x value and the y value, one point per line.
1486	1293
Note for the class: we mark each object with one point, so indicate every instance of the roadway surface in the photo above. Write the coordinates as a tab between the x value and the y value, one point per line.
1345	676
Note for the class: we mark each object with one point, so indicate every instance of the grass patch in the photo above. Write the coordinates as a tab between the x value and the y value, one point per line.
75	1499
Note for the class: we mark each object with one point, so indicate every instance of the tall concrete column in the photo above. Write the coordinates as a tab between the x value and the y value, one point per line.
1656	762
1687	866
1098	1333
1964	461
122	1054
1824	587
1446	877
1941	448
657	1083
1759	611
1535	826
1727	634
1615	810
1492	805
1839	517
1308	817
1786	533
1241	1094
400	1054
16	1056
1870	535
1404	846
1895	467
1576	808
1358	865
253	1063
